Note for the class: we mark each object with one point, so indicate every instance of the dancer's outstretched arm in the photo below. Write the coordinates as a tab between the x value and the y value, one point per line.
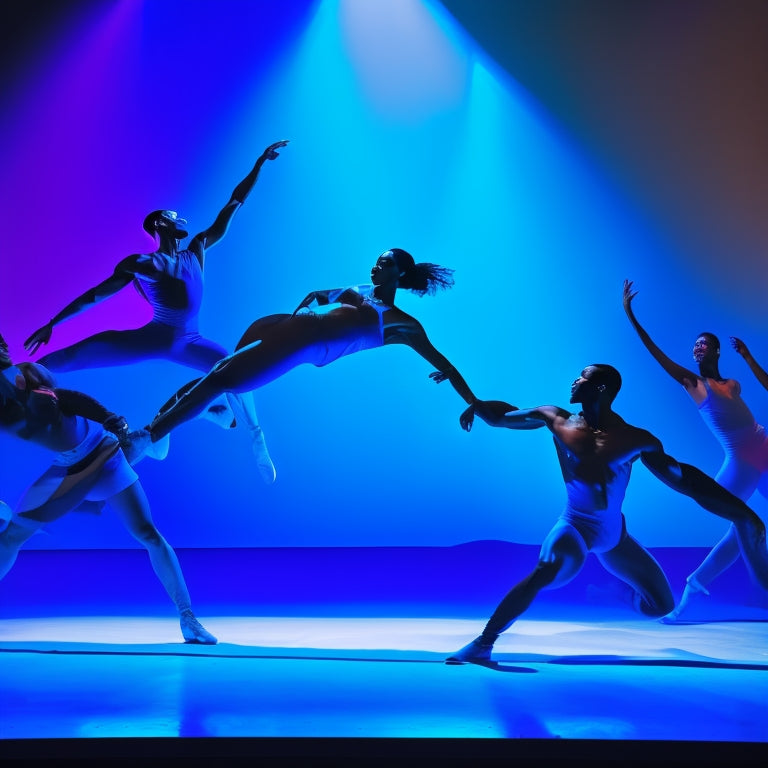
75	403
498	413
754	366
71	402
218	229
679	373
413	334
120	277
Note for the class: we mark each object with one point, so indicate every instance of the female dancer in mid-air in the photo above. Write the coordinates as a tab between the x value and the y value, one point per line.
366	317
744	442
88	470
171	280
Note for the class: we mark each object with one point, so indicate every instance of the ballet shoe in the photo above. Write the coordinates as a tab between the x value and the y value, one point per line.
263	459
193	631
138	444
477	650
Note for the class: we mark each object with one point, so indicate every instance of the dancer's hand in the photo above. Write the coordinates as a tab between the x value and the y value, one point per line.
438	377
493	411
739	346
467	418
38	338
270	153
117	425
629	294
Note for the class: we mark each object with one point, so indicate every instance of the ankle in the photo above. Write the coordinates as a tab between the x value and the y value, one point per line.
696	585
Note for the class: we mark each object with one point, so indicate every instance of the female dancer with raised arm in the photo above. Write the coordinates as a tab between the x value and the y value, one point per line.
743	440
362	317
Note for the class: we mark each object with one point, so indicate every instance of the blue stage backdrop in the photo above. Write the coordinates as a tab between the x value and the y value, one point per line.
545	154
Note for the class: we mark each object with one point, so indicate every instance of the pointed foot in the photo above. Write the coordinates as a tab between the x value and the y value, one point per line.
476	651
193	631
220	413
263	460
693	593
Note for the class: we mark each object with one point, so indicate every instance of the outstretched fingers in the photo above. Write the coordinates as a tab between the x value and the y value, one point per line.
271	151
629	293
738	344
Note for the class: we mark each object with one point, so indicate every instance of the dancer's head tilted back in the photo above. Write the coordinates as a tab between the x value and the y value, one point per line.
596	381
166	219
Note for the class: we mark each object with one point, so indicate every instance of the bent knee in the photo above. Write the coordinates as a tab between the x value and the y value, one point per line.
148	536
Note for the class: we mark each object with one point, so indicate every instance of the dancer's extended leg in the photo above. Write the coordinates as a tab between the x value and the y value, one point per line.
133	508
203	354
719	558
562	557
108	349
189	401
245	407
741	479
750	529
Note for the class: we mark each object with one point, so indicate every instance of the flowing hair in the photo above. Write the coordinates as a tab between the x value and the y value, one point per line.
422	277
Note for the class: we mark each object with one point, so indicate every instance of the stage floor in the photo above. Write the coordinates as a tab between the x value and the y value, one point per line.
76	680
336	657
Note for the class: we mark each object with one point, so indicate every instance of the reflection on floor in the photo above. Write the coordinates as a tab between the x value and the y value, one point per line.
365	684
289	677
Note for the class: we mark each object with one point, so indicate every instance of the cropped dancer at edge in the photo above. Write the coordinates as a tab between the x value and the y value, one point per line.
171	281
88	471
596	449
744	442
